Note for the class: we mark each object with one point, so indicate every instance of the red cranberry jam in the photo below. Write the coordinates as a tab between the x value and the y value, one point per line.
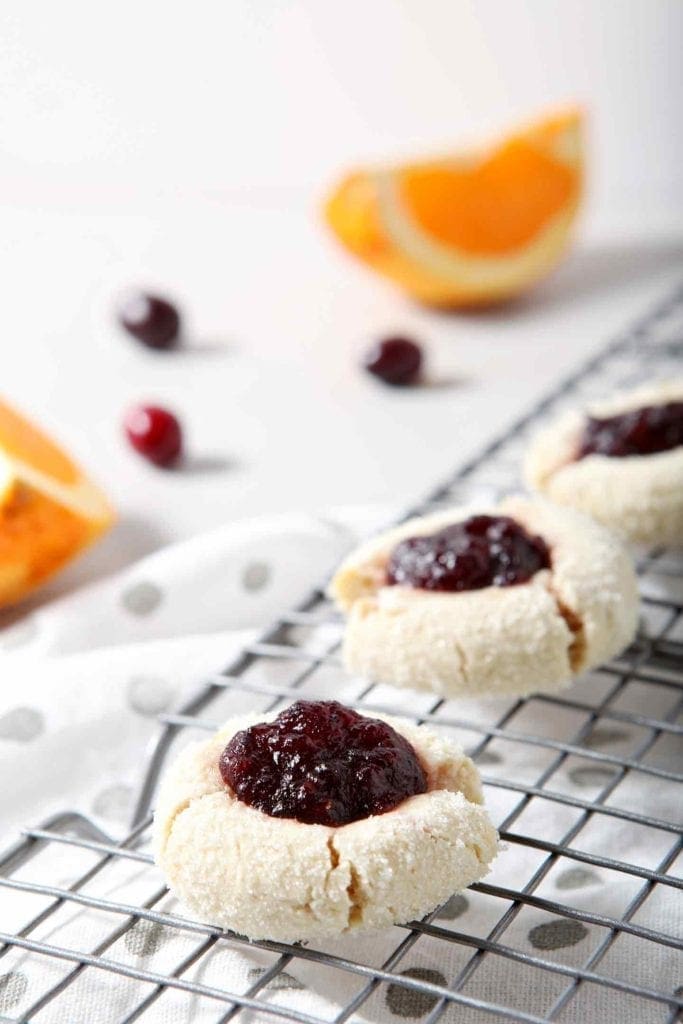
644	431
323	764
481	551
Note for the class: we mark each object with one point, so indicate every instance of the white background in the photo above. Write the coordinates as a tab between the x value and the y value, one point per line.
188	146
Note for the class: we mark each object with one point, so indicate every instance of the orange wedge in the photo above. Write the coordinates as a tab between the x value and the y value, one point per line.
471	229
49	510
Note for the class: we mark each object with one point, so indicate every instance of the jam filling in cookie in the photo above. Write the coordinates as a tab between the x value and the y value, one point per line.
644	431
481	551
323	764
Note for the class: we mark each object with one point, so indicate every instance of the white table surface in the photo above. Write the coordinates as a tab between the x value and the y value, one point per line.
278	415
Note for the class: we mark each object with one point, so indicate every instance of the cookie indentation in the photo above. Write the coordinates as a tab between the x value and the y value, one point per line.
481	551
321	763
643	431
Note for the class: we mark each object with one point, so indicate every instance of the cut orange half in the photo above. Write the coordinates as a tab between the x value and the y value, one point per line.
471	229
49	510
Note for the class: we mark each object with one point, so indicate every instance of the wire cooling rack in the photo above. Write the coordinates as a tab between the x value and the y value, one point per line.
105	902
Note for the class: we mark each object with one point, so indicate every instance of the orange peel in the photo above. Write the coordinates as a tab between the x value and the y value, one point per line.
49	510
470	229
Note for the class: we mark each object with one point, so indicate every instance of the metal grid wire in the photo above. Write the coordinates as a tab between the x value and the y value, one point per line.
298	655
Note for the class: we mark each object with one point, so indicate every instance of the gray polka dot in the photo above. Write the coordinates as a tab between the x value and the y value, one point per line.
255	576
13	988
488	757
18	635
148	695
114	802
557	934
408	1002
281	982
21	725
679	992
576	878
145	938
594	775
603	736
456	906
141	598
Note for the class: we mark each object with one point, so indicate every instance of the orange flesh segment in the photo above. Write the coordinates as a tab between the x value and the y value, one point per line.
494	208
32	522
21	440
49	511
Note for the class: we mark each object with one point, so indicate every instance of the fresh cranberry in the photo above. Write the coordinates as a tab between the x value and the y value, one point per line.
396	361
155	433
322	763
152	320
482	551
644	431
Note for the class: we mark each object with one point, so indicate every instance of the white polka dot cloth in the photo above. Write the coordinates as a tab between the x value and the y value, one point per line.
83	679
92	669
